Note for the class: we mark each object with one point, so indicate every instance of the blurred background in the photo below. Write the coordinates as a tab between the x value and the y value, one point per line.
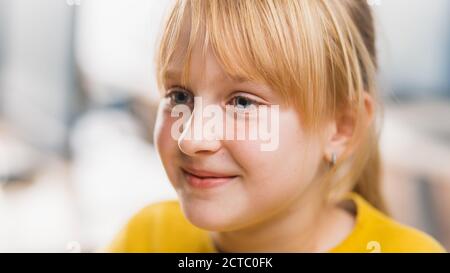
78	101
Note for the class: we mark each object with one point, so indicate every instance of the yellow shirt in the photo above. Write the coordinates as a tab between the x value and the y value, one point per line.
162	227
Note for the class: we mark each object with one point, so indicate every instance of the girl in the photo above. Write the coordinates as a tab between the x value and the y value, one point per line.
318	190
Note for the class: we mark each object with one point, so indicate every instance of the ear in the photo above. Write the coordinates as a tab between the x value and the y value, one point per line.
340	130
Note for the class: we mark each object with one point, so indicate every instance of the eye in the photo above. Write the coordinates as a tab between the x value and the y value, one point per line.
180	96
243	102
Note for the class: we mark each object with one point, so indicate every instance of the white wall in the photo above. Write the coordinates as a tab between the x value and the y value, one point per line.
116	42
35	78
414	44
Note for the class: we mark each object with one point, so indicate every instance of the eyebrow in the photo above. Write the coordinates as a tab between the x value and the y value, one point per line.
171	74
174	74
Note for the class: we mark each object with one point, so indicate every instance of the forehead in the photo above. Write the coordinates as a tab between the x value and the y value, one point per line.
201	65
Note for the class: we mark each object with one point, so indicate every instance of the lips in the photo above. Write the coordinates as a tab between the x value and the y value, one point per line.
204	179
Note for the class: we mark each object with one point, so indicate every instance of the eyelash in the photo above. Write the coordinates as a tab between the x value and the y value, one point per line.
177	90
251	102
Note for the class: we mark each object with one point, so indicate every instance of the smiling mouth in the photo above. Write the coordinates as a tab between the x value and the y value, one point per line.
204	179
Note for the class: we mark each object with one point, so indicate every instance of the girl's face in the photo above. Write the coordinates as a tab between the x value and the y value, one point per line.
226	185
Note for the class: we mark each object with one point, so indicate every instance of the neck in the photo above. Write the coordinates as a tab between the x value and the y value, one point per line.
306	225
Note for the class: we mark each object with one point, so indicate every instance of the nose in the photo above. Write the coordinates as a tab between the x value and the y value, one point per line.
193	142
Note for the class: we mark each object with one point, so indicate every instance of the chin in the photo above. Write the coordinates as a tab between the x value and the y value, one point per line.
208	215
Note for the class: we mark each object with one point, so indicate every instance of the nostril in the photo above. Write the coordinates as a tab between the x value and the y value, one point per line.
198	147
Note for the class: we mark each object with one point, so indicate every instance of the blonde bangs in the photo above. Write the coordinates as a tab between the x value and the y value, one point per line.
279	43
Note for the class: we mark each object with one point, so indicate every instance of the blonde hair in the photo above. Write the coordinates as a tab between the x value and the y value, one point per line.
319	54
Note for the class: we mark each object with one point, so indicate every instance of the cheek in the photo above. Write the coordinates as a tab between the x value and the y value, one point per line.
167	147
286	171
163	138
162	135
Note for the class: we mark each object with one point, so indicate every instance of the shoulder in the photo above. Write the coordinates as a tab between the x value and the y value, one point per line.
379	232
159	227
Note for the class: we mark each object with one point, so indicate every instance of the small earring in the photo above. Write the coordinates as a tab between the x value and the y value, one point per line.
333	159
